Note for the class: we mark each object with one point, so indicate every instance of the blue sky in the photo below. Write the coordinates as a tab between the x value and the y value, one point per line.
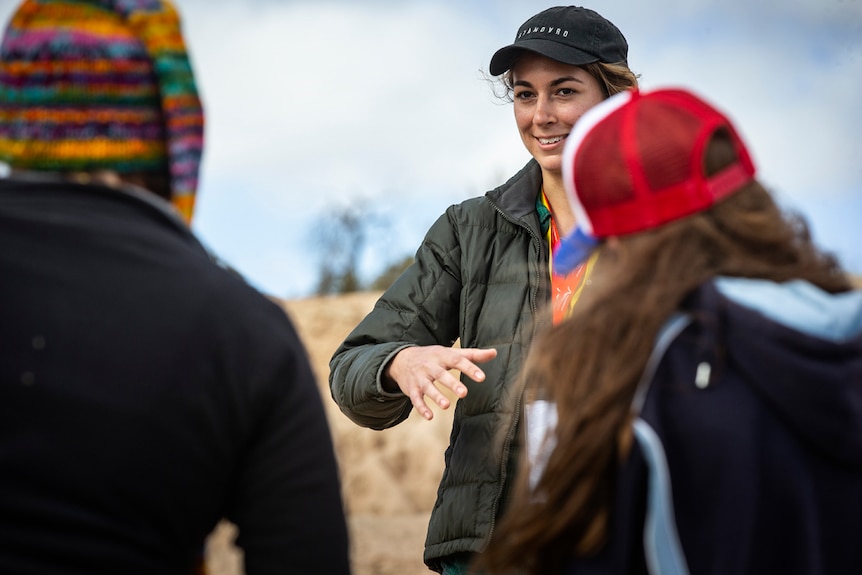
321	104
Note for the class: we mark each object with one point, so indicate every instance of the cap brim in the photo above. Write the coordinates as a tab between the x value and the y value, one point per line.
503	58
573	250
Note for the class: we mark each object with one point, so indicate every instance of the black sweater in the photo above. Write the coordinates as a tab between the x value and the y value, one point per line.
146	393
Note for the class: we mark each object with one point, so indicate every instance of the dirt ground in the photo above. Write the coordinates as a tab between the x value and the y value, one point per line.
389	478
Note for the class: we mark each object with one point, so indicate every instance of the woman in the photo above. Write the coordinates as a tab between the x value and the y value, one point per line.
714	337
482	276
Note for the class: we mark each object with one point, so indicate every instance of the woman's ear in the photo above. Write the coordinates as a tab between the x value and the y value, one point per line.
612	250
613	245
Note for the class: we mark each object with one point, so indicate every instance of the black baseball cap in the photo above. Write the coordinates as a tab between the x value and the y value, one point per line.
568	34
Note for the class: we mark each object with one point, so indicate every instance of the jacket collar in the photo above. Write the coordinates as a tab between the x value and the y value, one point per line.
517	197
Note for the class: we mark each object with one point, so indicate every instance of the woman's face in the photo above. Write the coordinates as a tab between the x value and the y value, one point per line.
549	98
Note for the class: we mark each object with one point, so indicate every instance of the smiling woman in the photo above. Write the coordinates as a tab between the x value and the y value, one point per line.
549	98
483	277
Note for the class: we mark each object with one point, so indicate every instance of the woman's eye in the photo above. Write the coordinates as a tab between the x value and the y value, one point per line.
565	91
523	95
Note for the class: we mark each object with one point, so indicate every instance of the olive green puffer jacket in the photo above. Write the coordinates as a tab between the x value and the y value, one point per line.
481	275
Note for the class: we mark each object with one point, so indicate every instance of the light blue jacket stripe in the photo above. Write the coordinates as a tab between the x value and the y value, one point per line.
664	555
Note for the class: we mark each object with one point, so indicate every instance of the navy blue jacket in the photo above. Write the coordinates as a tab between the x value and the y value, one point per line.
749	452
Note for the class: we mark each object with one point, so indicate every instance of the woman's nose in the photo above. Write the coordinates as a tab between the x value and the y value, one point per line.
544	111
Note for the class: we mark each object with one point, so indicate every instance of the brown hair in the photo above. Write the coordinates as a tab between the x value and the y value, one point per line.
590	364
158	183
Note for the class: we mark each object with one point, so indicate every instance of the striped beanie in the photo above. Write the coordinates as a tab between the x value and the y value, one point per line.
101	84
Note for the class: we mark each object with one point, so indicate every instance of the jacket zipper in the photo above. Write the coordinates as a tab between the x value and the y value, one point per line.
517	414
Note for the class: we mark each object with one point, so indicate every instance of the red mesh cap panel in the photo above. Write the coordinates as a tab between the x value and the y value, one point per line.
637	161
664	143
601	177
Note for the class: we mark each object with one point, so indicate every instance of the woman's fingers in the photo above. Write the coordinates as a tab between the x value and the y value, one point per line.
420	372
469	357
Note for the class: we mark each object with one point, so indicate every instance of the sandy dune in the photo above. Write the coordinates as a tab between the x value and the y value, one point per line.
389	478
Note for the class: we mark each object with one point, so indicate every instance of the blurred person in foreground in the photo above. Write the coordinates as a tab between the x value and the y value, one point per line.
146	392
706	392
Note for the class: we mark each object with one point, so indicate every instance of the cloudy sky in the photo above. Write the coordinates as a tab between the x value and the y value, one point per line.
325	104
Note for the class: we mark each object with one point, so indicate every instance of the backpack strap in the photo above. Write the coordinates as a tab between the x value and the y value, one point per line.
663	551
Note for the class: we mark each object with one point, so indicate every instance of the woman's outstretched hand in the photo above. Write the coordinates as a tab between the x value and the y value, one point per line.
417	372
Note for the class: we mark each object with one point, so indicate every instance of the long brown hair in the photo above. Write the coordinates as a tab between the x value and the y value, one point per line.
590	364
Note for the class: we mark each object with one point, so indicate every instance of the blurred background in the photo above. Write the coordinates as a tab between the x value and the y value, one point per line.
338	131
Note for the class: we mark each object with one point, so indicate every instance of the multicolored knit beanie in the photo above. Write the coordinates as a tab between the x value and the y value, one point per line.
101	84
